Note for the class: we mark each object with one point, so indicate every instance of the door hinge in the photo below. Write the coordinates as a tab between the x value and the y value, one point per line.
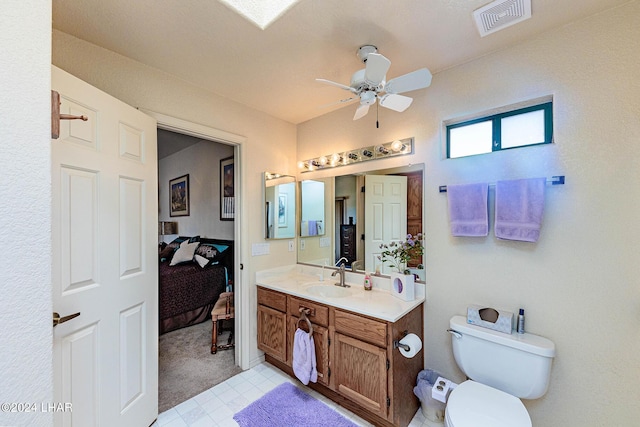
362	237
388	402
241	266
362	189
328	372
328	342
388	364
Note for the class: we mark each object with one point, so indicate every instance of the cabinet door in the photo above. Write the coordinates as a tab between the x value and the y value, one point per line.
321	341
272	332
360	371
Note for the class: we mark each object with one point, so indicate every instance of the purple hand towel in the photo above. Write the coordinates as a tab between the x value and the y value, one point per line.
519	207
468	212
304	357
313	228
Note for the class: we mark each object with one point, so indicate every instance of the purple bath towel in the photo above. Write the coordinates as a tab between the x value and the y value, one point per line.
468	210
519	207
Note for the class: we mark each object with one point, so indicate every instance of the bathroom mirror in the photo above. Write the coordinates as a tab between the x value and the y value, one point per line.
346	234
312	197
279	206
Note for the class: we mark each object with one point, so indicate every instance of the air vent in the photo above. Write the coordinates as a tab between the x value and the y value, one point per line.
501	14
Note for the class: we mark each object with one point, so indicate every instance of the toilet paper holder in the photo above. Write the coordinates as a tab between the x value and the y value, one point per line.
398	344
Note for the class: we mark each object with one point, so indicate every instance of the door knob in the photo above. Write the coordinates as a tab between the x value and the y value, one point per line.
57	319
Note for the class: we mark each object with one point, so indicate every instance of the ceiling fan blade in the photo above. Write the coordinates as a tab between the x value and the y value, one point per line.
418	79
361	111
340	85
395	102
376	68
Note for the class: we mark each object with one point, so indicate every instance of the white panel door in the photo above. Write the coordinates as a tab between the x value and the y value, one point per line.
104	237
385	207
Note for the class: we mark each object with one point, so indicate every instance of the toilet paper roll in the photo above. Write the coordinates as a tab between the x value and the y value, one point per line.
415	345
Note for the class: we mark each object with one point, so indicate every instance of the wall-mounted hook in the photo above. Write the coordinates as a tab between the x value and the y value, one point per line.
56	116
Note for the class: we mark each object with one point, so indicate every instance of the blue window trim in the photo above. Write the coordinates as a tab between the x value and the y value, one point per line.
496	145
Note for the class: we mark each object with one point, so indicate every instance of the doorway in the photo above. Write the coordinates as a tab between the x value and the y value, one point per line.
191	193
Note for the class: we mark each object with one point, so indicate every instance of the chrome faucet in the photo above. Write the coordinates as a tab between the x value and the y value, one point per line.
340	271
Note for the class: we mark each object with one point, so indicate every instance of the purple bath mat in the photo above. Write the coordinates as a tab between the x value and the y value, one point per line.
287	405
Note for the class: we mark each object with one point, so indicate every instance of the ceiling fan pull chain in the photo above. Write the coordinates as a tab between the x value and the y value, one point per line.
377	124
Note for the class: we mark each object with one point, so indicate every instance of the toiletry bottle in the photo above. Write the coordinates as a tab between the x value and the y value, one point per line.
521	321
367	282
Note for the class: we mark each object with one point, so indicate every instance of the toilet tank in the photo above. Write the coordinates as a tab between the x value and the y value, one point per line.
518	364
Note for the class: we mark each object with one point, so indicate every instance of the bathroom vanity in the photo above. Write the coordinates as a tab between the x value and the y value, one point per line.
354	331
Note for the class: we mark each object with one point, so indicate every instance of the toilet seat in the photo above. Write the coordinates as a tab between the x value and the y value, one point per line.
472	404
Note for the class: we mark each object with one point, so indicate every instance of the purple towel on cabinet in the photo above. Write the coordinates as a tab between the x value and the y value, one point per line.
519	207
304	357
468	210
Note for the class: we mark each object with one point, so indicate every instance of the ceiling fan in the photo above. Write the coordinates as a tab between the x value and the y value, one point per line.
370	83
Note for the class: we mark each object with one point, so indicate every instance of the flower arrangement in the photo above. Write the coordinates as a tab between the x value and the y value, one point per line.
398	254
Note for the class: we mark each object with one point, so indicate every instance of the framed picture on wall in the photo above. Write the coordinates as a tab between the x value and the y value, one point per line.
179	196
227	190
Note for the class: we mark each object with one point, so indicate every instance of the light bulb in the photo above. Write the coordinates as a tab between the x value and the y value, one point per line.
397	145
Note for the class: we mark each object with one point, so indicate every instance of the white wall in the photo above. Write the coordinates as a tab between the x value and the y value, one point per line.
25	211
580	284
202	162
270	144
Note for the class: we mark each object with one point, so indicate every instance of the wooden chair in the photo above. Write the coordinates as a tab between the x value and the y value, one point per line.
222	310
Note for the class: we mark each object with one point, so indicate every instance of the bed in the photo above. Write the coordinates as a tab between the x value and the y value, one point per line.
193	272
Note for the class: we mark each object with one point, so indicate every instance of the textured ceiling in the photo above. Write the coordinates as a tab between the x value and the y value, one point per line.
206	43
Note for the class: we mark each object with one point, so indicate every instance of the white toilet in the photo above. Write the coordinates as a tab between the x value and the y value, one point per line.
502	369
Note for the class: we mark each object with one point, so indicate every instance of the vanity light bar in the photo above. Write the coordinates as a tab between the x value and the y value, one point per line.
399	147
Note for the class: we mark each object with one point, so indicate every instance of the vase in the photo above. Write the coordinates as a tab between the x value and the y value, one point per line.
403	286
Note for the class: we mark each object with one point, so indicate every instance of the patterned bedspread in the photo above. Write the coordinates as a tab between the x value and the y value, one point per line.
187	294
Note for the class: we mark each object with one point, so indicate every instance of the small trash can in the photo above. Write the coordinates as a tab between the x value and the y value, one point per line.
432	409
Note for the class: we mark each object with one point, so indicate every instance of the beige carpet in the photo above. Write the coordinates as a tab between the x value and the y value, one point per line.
187	367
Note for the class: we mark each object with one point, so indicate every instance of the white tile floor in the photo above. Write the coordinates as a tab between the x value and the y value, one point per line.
216	406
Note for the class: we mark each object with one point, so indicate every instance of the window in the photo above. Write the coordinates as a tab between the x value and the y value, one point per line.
532	125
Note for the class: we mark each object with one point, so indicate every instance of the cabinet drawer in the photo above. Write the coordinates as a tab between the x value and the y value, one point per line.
362	328
319	313
273	299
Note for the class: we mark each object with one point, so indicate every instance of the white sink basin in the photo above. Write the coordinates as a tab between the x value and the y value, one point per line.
328	291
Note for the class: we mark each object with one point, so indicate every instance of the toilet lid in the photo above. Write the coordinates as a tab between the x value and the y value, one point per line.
478	405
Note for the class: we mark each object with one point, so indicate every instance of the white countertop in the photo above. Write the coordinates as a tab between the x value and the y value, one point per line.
379	303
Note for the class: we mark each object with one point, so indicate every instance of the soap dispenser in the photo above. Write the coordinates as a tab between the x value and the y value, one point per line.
367	282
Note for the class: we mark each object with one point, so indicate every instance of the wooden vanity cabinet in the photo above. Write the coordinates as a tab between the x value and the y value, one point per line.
319	317
358	367
360	351
272	323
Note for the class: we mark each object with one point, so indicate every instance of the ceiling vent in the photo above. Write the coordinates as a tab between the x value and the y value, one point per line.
501	14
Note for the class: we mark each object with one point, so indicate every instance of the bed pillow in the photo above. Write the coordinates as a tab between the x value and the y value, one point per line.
167	253
201	261
185	253
208	251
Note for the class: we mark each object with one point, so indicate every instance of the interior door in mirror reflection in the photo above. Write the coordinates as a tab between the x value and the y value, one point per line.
385	221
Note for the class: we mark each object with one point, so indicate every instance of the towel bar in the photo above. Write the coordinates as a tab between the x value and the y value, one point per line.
554	180
304	317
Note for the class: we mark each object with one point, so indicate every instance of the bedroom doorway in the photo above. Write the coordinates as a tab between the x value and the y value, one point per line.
194	163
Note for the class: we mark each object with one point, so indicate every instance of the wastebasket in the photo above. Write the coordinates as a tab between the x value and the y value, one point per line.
432	409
